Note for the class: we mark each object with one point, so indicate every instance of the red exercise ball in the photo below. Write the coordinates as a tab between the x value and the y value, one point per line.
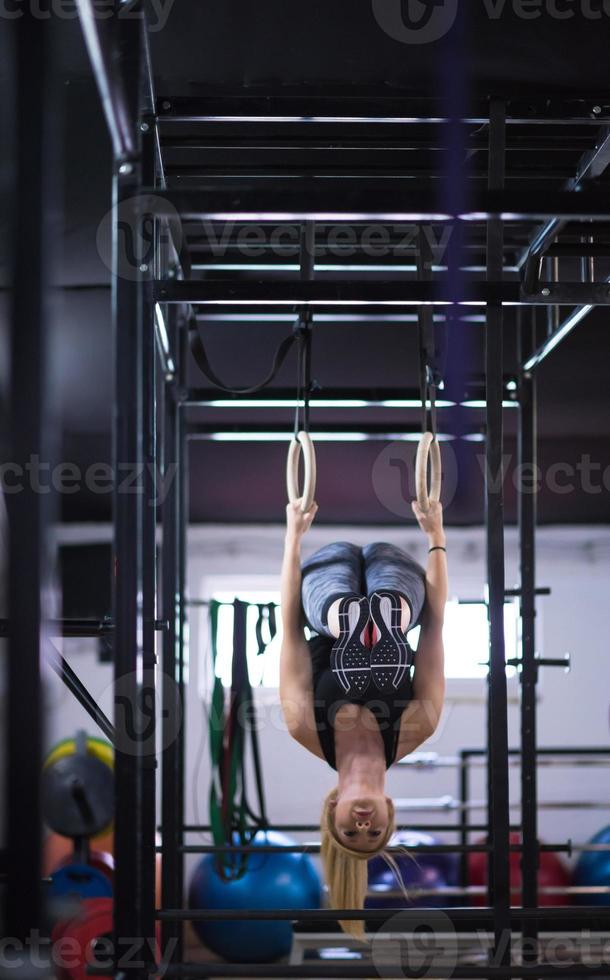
552	872
85	940
74	940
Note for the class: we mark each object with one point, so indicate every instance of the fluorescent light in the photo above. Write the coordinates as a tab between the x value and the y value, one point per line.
284	437
294	267
248	317
335	302
341	403
327	317
307	119
318	216
481	403
287	403
320	403
318	436
412	403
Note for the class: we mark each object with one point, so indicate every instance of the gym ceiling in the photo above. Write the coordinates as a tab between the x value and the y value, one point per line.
274	46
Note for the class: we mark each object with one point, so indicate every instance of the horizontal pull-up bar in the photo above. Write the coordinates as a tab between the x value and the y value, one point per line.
377	108
314	848
321	432
377	199
79	628
363	971
477	917
471	395
338	293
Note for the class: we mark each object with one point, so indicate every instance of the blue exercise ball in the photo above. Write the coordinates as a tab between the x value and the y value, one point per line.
418	870
79	881
271	881
593	868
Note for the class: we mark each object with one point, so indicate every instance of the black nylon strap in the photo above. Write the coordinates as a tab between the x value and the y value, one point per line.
303	329
201	359
266	614
429	374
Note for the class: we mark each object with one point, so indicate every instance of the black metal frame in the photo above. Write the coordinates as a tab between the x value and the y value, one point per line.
30	513
147	370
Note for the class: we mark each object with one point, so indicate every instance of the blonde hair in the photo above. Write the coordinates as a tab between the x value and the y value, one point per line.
346	870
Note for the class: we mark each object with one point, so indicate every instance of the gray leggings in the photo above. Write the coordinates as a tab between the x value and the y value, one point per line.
343	569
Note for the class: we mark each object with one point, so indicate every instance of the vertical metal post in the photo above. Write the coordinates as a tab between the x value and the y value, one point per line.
128	284
498	715
30	508
149	554
183	491
171	818
489	820
527	457
464	777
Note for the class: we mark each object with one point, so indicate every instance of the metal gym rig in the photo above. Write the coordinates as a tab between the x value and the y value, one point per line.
152	306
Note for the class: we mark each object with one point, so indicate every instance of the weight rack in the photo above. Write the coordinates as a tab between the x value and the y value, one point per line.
516	236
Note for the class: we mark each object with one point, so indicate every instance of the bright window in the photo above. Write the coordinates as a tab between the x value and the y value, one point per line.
465	635
466	638
263	670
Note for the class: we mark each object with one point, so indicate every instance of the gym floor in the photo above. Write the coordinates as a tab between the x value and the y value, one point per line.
226	225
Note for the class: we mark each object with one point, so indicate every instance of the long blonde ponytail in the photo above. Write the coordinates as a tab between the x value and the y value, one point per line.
346	870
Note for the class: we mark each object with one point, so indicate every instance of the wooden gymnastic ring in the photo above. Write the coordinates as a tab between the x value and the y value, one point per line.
428	447
303	441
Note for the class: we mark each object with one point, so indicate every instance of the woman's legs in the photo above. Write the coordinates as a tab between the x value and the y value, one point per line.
395	585
329	575
389	569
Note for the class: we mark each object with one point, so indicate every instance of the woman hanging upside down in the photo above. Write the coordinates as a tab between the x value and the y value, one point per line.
354	694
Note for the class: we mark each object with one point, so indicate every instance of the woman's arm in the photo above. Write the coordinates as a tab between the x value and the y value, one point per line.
297	524
296	681
421	717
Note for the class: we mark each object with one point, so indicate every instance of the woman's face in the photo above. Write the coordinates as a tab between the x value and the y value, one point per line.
361	822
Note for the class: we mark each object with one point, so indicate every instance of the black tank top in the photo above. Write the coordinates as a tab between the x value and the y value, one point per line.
328	697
